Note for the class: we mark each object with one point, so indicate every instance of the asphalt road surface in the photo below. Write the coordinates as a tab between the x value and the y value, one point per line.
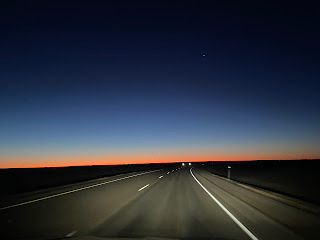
183	203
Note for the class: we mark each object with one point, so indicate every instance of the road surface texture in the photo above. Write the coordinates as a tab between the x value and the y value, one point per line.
183	203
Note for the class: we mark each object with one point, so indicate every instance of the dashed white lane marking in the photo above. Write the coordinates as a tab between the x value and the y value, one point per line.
168	172
76	190
246	230
143	187
161	177
72	233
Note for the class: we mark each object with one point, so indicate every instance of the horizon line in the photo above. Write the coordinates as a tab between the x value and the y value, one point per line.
120	164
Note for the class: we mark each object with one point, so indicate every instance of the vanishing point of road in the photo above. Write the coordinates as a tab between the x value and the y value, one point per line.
179	203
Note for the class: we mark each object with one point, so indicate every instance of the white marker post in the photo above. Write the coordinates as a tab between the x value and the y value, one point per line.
229	172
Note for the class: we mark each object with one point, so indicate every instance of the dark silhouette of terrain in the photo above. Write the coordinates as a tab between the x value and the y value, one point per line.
296	178
21	180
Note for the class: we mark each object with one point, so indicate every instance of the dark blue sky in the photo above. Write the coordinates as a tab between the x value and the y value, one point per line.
114	77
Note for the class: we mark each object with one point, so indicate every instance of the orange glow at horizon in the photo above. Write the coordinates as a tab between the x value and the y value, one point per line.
76	160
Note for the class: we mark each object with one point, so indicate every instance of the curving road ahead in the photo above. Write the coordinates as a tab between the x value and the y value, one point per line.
184	203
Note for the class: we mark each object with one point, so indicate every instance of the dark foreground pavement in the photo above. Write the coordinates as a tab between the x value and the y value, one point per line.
180	204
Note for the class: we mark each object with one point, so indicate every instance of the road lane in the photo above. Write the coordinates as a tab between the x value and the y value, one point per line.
266	217
74	189
58	216
244	228
165	203
175	208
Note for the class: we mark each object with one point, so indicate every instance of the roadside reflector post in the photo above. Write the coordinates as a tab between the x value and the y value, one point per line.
229	172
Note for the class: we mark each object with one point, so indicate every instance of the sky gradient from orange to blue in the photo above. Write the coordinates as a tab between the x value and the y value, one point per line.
117	82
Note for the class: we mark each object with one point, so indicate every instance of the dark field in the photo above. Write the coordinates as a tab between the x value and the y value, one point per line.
21	180
162	200
297	178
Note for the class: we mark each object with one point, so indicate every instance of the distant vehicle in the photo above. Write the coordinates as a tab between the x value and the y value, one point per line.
183	164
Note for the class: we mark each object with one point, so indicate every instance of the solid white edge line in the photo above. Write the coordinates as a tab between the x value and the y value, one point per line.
143	187
75	190
246	230
72	233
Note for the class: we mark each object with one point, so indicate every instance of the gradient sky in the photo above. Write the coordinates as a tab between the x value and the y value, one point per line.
107	82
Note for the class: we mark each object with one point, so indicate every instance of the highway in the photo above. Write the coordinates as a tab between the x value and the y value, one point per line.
181	203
